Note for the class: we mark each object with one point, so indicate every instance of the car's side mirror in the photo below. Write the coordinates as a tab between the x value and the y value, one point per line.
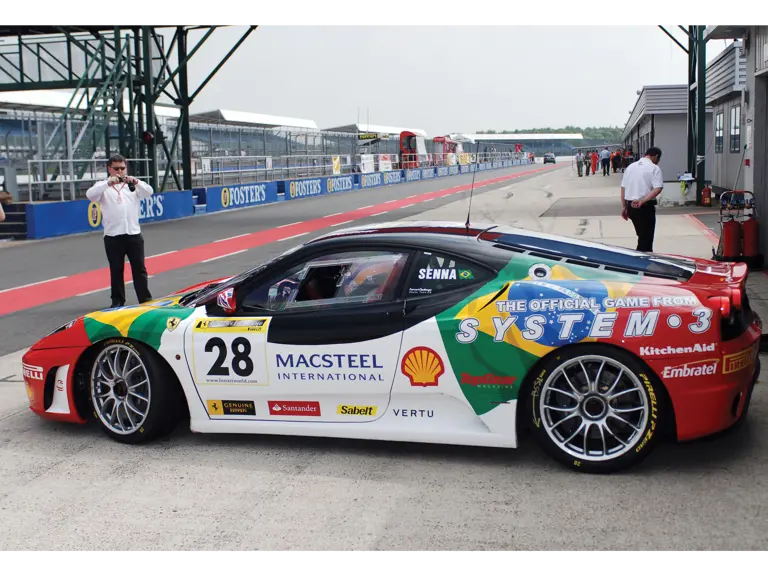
226	300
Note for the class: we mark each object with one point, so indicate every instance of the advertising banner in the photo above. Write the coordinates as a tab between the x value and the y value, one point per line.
336	165
385	163
427	173
367	164
340	184
220	198
453	170
305	188
442	171
395	177
371	180
412	175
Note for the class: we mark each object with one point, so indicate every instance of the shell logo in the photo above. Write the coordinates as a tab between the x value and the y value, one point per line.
423	366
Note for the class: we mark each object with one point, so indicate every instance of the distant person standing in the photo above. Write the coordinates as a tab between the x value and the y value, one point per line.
641	183
594	158
579	162
605	159
587	162
118	197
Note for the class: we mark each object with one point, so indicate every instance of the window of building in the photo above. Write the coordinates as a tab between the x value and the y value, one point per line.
735	132
719	133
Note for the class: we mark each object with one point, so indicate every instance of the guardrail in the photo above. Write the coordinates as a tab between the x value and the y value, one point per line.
48	219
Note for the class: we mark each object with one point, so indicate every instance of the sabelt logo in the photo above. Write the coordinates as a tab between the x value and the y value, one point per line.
345	410
304	188
293	408
423	366
652	351
691	369
32	372
739	360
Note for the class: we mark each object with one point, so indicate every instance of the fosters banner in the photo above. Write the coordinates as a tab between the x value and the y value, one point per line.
240	195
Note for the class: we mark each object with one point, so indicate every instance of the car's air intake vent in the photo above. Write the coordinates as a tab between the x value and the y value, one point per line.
583	263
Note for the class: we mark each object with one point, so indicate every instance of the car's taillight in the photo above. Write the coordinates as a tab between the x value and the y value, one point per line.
724	305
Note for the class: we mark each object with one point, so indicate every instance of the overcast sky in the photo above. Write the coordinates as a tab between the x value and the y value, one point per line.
441	79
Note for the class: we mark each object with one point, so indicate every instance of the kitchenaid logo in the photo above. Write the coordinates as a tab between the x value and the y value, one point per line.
692	369
653	351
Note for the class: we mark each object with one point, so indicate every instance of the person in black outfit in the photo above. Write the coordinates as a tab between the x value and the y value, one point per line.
118	199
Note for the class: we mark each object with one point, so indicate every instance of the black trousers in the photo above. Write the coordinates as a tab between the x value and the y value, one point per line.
644	220
606	167
132	246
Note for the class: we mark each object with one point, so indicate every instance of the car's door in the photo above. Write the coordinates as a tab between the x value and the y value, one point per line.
325	333
436	359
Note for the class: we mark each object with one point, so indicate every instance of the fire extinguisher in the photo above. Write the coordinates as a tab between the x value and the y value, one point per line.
706	196
751	232
731	239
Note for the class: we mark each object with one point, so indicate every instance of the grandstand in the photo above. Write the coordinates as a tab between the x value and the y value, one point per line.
559	144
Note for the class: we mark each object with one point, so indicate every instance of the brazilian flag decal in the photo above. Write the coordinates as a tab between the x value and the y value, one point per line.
466	275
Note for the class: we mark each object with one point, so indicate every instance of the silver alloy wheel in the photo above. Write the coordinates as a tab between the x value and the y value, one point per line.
594	408
120	389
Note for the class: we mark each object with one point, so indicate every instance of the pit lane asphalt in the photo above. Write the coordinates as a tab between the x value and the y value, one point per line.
51	258
70	487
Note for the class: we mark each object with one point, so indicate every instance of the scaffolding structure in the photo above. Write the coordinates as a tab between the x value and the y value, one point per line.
118	76
697	87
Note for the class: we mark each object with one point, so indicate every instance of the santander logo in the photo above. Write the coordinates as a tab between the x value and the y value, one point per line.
293	408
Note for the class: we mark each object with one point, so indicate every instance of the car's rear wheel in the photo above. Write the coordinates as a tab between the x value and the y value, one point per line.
133	394
596	409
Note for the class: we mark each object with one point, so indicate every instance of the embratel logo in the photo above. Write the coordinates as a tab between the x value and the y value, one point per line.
691	369
291	408
345	410
94	214
225	197
739	361
423	366
487	380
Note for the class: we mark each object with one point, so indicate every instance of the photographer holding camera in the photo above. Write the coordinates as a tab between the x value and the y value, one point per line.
118	197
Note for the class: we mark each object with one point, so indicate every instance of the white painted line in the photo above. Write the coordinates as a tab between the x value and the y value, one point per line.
294	236
380	213
337	214
33	284
411	196
224	256
390	201
340	223
232	237
548	186
286	225
369	206
94	291
429	199
162	254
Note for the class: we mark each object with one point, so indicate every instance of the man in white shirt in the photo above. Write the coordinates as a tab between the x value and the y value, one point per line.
605	161
641	183
579	162
118	197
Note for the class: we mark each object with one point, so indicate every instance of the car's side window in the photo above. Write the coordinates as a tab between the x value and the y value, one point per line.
362	276
434	272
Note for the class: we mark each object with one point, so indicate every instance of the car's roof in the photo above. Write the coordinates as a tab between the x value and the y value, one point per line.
487	236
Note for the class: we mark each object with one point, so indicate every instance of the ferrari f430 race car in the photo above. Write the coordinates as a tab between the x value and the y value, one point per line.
424	332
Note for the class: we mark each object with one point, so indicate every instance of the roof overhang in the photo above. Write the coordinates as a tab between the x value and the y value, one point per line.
523	137
725	32
235	117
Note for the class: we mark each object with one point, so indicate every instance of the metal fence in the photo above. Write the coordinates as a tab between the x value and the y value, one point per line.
221	154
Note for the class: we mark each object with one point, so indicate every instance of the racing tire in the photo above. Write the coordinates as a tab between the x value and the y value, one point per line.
134	394
596	409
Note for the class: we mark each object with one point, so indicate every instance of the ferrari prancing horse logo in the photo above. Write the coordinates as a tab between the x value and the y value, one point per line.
172	323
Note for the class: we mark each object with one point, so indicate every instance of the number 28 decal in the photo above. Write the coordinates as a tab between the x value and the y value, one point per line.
242	364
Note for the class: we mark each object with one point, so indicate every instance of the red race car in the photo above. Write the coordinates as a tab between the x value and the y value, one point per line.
424	332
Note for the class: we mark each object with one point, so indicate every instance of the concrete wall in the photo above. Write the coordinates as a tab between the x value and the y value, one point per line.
756	174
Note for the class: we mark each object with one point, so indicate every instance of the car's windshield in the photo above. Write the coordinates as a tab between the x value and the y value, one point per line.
195	298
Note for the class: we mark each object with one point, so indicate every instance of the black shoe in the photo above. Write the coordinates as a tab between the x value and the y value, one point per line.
117	304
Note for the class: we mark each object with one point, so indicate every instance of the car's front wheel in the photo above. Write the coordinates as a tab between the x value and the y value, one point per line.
596	409
133	394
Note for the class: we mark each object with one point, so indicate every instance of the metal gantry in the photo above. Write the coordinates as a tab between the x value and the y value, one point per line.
697	105
118	75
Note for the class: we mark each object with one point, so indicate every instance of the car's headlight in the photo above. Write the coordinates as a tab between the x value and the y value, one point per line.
62	328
